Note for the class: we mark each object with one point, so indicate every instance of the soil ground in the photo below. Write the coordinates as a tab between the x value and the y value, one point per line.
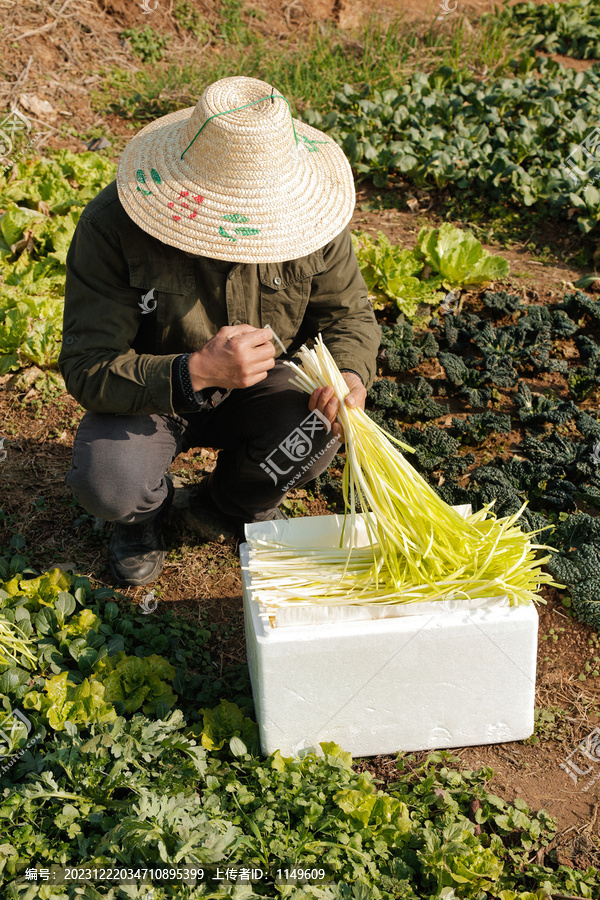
59	63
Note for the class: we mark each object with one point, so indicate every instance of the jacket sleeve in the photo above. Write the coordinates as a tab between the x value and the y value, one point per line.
339	308
101	319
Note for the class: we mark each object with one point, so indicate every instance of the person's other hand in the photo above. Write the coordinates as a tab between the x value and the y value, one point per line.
238	356
324	400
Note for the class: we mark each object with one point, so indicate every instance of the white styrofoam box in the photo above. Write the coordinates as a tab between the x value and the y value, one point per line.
411	682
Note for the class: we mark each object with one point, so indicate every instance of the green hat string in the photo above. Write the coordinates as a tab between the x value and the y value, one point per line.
270	97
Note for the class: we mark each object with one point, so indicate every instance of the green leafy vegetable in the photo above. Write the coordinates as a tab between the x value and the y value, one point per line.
42	199
459	257
226	723
391	272
137	682
65	702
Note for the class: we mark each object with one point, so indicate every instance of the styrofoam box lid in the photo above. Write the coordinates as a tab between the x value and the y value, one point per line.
322	532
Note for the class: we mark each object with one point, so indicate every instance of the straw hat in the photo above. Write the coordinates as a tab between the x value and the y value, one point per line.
237	178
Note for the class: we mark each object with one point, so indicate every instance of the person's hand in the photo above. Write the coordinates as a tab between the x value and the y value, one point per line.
238	356
324	400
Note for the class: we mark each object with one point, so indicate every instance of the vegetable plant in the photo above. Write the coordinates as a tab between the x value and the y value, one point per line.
458	257
453	258
42	200
186	786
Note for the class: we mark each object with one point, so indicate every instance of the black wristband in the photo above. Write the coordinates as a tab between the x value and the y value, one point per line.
185	399
186	380
353	373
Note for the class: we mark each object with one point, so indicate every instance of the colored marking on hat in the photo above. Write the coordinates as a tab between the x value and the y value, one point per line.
155	176
193	215
224	112
223	233
184	194
140	176
311	143
177	218
198	198
142	191
235	217
247	231
185	206
170	204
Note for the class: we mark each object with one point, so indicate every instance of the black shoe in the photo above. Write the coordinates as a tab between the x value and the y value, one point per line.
269	515
195	508
266	515
202	515
137	552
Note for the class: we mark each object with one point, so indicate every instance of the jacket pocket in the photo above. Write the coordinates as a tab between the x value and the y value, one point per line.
170	319
172	276
285	292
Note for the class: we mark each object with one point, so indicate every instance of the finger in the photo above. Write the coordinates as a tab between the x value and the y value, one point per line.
356	396
261	352
255	379
327	393
253	337
259	365
314	399
330	408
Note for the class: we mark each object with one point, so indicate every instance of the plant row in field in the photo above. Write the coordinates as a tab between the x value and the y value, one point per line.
122	768
570	28
507	139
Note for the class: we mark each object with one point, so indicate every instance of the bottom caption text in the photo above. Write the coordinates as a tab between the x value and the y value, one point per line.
175	875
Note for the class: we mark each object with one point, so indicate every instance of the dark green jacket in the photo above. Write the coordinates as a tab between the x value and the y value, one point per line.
116	358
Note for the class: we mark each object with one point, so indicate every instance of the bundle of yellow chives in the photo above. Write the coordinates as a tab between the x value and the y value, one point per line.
421	548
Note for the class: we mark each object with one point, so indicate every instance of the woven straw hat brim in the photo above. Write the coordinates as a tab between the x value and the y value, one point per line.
241	215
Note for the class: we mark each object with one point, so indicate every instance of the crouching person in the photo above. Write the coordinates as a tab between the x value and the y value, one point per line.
226	226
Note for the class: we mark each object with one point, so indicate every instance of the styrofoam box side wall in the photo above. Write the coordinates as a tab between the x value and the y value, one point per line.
388	685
